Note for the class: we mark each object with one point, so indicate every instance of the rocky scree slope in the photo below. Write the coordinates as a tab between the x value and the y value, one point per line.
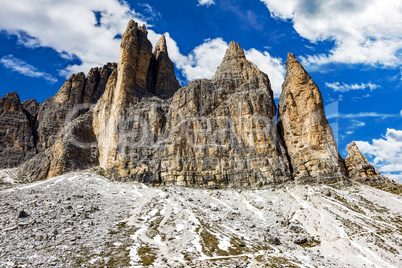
134	121
85	220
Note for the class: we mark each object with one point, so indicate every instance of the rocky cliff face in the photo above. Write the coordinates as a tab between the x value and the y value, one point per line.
134	121
304	129
222	131
63	133
16	139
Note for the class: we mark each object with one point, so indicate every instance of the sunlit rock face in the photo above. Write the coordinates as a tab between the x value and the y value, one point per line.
302	124
222	131
211	132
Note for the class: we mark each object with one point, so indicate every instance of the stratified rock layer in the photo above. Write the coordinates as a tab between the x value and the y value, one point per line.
63	129
210	133
360	169
222	131
16	139
308	137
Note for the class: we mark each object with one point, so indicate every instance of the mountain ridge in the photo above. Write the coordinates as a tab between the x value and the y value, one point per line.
135	121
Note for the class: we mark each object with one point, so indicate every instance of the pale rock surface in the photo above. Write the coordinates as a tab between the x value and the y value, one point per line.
302	124
360	169
82	219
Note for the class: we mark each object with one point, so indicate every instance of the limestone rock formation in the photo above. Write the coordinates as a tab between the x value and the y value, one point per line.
222	131
78	92
164	82
31	109
360	169
16	139
133	120
210	133
129	107
308	137
63	128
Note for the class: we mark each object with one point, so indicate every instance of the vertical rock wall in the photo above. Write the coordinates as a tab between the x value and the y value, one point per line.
302	124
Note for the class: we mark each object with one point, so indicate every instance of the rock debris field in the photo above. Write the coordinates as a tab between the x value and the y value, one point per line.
84	220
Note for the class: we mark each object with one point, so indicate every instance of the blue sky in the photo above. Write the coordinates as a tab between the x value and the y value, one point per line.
351	48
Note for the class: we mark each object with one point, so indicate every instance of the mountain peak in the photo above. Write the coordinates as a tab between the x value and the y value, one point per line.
234	51
161	46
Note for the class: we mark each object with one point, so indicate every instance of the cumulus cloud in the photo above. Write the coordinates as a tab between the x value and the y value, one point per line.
368	32
338	87
206	2
90	30
16	65
386	153
70	27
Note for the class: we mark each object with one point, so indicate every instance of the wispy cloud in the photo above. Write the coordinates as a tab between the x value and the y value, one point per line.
361	115
357	123
22	67
363	32
206	2
151	12
338	87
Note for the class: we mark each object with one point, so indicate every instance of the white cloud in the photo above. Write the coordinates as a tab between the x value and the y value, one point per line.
206	2
21	67
202	61
361	115
357	123
386	153
338	87
401	113
70	27
367	32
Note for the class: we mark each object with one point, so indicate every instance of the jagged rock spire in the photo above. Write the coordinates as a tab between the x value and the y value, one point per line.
234	51
164	83
302	124
161	46
140	74
237	69
360	169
